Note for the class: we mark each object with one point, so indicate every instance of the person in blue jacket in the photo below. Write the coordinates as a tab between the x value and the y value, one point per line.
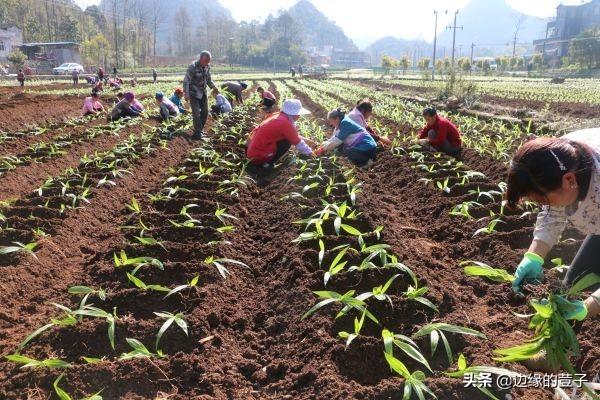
357	144
177	99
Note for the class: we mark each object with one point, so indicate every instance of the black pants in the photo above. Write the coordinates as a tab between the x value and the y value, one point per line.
199	112
446	147
283	146
359	157
216	109
268	102
587	260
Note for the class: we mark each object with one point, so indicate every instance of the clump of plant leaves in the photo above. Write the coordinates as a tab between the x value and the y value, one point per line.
476	268
437	330
553	334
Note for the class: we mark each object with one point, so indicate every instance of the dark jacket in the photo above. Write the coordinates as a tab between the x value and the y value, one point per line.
196	79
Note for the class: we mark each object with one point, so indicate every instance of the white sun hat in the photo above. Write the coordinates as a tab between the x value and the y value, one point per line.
294	108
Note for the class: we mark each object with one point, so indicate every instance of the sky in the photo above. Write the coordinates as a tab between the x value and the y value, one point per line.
409	19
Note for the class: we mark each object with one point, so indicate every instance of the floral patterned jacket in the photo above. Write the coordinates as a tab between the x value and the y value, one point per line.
584	215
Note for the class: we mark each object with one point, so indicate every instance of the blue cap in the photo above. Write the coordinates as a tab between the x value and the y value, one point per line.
159	95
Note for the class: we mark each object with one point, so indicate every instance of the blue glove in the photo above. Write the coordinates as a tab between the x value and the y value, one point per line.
529	270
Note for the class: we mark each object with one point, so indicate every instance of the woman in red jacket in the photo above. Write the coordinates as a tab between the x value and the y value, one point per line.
440	134
273	137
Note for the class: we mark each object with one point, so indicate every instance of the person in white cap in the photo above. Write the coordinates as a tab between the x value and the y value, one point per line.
273	137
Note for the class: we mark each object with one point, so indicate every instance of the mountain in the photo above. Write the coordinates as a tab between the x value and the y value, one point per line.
490	25
318	30
397	48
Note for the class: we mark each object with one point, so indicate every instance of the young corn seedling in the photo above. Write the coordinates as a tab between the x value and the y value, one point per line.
476	268
444	185
436	331
337	265
191	284
139	351
379	292
463	209
553	334
63	395
415	293
94	312
358	324
87	292
412	382
404	343
490	228
490	194
134	207
476	371
20	248
218	263
347	300
142	285
50	363
122	260
203	172
149	241
169	319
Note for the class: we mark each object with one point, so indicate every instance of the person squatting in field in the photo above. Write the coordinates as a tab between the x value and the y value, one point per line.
267	99
439	134
221	106
177	99
361	114
563	175
92	104
270	140
167	108
128	106
233	91
357	144
196	79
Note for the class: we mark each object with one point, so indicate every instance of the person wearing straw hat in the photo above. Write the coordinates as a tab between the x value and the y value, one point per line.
273	138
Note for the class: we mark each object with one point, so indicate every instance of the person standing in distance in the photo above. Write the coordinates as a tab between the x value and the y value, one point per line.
196	79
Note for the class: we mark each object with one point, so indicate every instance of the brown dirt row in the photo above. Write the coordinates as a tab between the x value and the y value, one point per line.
24	180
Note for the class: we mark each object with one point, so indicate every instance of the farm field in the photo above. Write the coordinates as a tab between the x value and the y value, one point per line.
143	266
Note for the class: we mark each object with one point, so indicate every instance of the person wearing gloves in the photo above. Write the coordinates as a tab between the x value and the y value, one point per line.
563	175
361	114
177	99
166	107
196	79
273	137
222	105
357	144
439	134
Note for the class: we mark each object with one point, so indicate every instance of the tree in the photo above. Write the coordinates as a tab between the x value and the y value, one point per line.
17	58
424	63
157	18
518	19
183	33
389	63
585	49
485	67
405	63
95	50
537	60
464	64
68	30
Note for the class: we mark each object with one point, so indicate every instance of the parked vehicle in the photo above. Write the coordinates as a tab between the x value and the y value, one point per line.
67	68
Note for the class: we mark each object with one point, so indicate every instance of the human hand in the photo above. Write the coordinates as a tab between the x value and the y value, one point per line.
530	270
571	310
320	151
385	140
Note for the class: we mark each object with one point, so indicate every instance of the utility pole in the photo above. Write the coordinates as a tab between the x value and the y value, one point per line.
471	69
115	22
434	45
454	28
544	46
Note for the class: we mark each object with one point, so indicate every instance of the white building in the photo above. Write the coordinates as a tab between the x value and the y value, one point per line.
10	39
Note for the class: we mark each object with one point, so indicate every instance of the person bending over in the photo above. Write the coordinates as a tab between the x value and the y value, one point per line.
177	99
222	105
92	105
233	90
124	108
357	144
439	134
361	114
268	99
166	107
273	137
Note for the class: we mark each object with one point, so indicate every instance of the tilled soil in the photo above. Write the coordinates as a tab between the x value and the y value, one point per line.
246	337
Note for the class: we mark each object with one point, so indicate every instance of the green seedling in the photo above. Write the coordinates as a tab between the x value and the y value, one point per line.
490	228
218	263
20	248
476	268
358	324
134	206
444	185
463	209
139	351
436	331
336	266
27	362
141	285
463	369
404	343
347	300
379	292
412	382
149	241
169	319
122	260
63	395
94	312
415	293
553	334
190	284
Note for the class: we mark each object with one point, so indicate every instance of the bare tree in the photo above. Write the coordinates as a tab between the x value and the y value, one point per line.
518	19
183	33
157	18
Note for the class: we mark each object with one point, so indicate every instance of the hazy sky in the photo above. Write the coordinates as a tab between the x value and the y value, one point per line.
401	18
